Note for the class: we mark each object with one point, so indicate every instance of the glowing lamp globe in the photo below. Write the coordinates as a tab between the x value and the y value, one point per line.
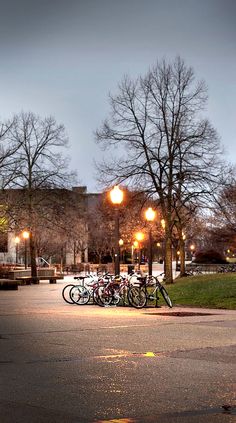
139	236
25	234
150	214
116	195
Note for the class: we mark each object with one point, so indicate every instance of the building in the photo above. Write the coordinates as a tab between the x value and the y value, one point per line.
58	217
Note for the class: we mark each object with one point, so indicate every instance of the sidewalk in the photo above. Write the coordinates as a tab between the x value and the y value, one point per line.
63	363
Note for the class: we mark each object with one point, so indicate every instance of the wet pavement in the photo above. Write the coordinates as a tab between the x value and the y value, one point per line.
65	363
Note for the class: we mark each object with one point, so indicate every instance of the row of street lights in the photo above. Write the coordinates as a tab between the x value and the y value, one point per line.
116	196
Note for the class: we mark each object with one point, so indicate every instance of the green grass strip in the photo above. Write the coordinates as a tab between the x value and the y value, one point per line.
211	290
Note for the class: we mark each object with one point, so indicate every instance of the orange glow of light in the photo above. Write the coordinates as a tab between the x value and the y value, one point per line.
139	236
116	195
25	234
150	214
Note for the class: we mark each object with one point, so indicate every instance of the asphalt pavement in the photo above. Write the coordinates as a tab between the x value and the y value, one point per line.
65	363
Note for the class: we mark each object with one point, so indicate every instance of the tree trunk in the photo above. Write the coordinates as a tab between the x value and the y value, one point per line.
168	260
182	256
74	253
33	256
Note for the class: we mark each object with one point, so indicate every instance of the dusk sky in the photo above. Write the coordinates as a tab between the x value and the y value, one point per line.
62	57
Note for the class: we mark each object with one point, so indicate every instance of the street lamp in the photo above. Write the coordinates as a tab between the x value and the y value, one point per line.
139	237
150	216
121	243
192	249
25	235
17	241
116	196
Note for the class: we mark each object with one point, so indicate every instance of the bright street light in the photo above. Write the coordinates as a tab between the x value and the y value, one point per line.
17	241
116	196
150	215
25	235
139	236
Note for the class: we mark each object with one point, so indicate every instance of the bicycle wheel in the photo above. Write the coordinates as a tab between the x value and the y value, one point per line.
123	293
66	293
166	297
137	297
105	296
79	295
96	298
115	296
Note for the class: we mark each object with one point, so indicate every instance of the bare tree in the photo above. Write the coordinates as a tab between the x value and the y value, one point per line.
225	208
8	162
171	152
40	165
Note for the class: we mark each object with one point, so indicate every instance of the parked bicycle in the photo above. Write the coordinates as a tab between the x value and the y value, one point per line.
114	292
82	293
148	289
66	290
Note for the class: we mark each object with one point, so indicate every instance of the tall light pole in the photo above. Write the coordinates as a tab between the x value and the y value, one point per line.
150	216
121	243
116	196
192	249
139	237
17	241
25	235
163	225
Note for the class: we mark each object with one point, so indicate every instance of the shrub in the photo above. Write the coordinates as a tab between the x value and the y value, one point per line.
210	257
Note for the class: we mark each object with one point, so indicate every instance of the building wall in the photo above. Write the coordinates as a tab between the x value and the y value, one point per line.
77	195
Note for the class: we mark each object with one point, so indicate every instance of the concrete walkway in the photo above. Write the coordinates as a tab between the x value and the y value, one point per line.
77	364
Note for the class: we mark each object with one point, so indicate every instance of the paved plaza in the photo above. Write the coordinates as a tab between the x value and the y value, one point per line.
63	363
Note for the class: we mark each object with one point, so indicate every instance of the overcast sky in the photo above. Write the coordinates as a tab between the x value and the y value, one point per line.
62	57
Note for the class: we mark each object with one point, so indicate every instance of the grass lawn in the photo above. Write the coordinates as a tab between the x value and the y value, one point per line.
212	291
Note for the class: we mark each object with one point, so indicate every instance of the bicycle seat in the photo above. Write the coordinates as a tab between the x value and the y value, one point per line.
81	277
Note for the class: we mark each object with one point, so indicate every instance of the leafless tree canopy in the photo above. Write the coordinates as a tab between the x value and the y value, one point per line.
158	119
38	143
35	165
169	148
8	163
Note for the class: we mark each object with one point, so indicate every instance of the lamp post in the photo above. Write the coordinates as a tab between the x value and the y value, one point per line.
135	248
158	244
139	236
17	241
163	225
150	216
25	235
121	243
192	249
116	196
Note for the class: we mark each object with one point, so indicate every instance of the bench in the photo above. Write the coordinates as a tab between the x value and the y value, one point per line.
9	284
27	280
